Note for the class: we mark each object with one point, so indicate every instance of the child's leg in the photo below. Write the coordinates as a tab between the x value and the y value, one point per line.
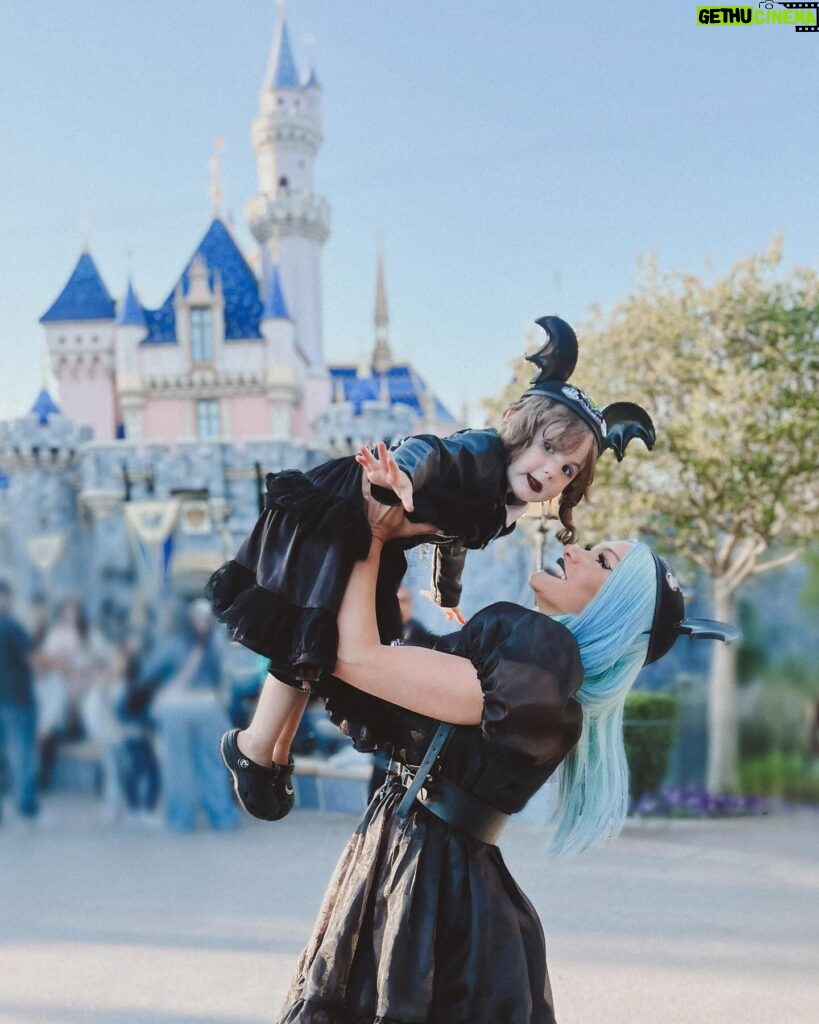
275	721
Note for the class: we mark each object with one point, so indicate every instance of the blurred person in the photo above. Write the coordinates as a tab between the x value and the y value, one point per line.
18	708
245	672
412	631
813	736
139	766
190	717
76	656
98	711
38	619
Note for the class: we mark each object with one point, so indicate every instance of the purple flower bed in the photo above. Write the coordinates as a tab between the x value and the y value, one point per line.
695	802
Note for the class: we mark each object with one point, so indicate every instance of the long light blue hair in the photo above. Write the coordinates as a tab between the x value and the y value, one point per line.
612	633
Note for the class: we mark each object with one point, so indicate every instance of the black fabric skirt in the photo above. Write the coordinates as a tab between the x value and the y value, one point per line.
281	594
421	924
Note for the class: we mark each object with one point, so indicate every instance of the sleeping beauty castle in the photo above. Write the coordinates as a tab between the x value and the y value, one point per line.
146	468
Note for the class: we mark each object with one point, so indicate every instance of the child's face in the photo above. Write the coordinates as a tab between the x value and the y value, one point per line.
539	472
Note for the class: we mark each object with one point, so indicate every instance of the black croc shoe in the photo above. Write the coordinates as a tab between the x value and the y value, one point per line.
266	793
283	786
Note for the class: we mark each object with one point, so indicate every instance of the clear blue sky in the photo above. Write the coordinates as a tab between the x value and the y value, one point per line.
517	157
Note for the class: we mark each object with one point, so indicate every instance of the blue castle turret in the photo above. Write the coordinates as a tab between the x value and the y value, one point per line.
84	296
131	314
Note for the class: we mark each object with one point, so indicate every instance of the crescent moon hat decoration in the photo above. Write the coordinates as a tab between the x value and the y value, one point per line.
615	425
670	621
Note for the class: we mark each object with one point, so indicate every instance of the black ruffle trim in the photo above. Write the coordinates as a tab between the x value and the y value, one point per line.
305	1011
319	512
301	643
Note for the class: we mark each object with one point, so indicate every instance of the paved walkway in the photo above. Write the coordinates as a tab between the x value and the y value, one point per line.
110	924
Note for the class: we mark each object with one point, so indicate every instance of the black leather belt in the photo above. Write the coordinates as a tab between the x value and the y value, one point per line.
446	800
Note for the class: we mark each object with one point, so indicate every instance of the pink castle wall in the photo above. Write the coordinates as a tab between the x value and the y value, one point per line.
164	419
87	397
248	416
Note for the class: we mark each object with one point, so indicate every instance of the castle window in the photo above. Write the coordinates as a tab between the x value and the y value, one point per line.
207	419
282	182
201	334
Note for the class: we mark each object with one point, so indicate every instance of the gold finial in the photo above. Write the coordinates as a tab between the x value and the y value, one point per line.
216	176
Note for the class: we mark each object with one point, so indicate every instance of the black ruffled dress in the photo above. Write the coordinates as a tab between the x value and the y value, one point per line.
422	923
281	594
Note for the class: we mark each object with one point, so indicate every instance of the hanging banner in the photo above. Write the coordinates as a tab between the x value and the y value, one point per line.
45	550
152	521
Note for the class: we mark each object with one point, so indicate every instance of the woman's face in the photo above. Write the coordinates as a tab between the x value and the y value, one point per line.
583	574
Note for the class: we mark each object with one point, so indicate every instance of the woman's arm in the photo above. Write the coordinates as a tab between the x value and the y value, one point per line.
438	685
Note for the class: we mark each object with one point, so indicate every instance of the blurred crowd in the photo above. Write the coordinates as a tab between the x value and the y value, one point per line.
142	703
145	704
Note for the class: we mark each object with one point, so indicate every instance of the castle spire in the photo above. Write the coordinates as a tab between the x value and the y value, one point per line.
275	306
287	216
310	80
281	68
382	356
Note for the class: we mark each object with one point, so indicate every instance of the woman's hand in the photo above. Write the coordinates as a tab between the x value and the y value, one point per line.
385	472
386	521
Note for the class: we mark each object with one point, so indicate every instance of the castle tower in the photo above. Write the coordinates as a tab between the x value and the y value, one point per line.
285	365
287	216
79	329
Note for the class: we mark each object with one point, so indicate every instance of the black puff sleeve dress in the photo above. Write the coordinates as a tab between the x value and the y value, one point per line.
422	923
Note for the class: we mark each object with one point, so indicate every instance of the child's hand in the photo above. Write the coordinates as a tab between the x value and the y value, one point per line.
450	614
384	472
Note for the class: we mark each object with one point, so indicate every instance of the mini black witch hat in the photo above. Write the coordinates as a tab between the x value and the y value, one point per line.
614	426
670	621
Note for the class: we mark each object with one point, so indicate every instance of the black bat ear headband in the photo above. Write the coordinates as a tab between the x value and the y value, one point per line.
670	621
614	426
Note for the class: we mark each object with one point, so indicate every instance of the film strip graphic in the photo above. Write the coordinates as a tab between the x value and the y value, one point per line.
802	7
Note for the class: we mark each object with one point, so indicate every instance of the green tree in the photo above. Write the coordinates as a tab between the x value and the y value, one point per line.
728	370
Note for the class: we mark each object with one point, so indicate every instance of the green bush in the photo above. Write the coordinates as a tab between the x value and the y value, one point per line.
791	776
648	731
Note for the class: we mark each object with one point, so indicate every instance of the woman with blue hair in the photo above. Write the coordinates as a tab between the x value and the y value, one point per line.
422	921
